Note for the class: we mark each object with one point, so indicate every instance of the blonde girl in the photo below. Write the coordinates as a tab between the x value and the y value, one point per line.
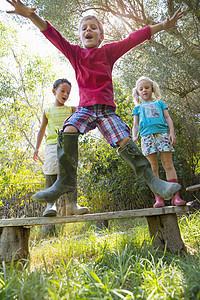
152	120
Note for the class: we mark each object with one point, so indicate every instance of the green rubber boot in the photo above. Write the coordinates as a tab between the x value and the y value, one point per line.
72	207
138	162
67	151
50	210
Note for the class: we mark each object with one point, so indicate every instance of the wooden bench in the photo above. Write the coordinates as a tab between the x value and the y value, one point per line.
162	223
195	187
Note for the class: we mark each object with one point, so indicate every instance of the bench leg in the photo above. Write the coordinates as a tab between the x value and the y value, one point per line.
14	242
165	232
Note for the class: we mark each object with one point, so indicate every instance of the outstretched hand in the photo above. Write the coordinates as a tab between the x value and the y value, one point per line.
20	8
171	22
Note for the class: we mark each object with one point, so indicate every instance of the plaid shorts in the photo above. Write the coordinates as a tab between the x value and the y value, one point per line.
156	143
104	118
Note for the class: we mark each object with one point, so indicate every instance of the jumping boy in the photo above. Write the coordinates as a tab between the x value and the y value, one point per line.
93	67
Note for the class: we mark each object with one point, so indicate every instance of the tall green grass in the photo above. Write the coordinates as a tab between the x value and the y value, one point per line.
117	263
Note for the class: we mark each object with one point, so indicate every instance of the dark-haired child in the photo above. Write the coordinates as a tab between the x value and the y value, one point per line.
52	119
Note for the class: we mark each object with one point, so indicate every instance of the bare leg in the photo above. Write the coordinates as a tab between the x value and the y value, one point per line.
124	141
167	163
152	158
70	128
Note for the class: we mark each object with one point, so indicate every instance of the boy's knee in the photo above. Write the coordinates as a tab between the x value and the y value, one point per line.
70	128
124	141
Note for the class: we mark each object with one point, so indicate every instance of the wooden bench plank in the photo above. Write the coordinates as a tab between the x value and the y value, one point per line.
162	222
146	212
195	187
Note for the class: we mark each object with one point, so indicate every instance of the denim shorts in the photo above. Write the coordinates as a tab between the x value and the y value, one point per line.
104	118
156	143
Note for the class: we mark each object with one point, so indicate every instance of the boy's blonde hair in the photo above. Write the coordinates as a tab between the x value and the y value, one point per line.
90	17
155	88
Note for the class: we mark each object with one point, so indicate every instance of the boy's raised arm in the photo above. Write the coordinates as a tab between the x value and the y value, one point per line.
168	23
22	10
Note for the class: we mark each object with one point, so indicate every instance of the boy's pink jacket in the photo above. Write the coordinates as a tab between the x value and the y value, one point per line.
93	66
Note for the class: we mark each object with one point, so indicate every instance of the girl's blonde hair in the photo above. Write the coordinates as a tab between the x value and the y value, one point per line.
155	88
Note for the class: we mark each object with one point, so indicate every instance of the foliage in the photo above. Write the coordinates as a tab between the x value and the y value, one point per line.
16	187
120	263
107	183
170	58
24	84
57	11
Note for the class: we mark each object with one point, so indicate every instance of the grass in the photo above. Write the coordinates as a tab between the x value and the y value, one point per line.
118	263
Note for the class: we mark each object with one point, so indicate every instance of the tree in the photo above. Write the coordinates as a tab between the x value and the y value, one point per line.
170	58
25	81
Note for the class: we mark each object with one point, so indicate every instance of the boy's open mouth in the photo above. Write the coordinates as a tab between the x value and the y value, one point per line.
88	36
